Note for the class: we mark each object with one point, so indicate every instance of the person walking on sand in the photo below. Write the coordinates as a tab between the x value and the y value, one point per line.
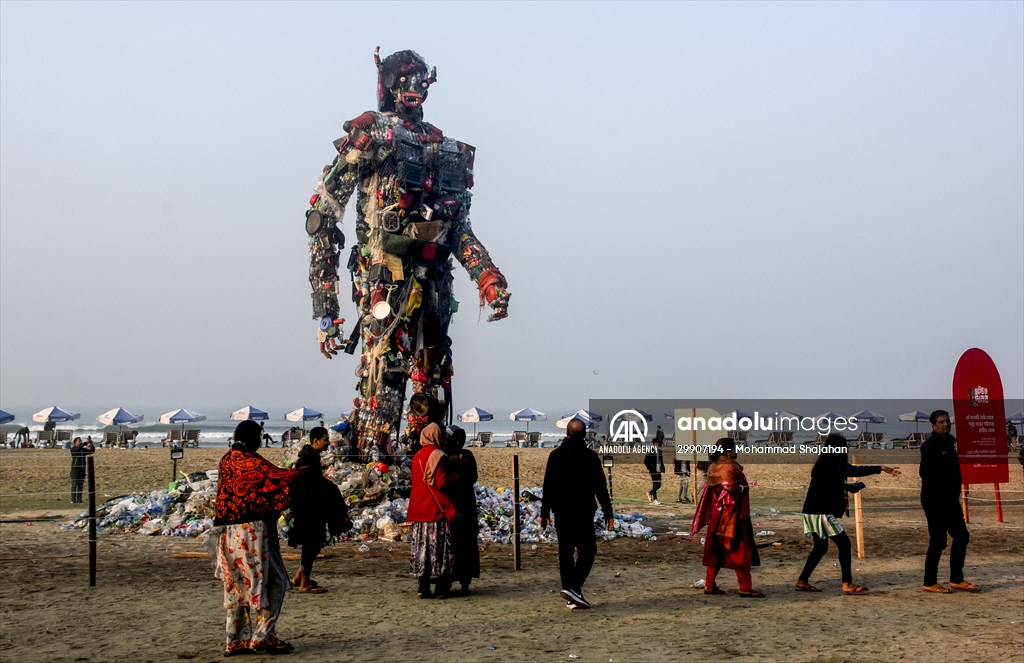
825	505
78	454
655	464
940	499
724	507
318	510
683	471
574	485
251	493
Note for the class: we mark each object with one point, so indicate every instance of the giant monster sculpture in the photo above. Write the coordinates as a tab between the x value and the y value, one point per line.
412	218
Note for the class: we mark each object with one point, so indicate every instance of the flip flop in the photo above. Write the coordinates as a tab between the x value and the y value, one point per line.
937	589
965	586
857	589
753	594
315	589
806	588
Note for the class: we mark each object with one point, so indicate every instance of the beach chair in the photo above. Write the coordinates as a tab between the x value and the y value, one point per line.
63	437
292	435
741	436
534	440
520	438
45	438
192	437
591	438
484	438
916	440
174	437
110	438
3	439
863	440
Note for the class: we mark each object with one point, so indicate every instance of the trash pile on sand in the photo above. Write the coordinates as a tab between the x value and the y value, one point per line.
376	494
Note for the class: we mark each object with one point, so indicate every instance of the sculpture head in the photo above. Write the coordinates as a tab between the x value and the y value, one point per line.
402	82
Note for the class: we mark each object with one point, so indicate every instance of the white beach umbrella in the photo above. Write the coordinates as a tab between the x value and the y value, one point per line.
564	421
474	415
917	416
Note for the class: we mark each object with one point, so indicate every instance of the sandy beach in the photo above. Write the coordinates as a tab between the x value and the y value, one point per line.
151	605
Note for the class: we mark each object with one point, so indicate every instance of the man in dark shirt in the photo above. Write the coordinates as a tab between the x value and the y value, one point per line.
572	481
940	498
78	454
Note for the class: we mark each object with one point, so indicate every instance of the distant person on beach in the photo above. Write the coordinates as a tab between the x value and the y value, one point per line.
432	512
725	508
825	505
655	464
78	453
251	493
89	443
1011	435
267	440
940	499
21	437
683	472
318	510
466	528
574	485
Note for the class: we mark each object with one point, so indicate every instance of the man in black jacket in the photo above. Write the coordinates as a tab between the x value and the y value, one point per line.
78	454
572	481
940	498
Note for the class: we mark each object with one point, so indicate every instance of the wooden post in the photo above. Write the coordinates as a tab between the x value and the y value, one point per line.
967	493
999	506
91	476
858	518
517	560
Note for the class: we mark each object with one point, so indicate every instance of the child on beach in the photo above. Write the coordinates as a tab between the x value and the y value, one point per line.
317	508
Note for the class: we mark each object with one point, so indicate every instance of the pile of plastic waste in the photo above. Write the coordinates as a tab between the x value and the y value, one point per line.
377	507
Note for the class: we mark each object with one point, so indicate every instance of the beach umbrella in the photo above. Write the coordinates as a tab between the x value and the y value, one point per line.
475	415
54	413
303	414
249	412
738	414
829	416
592	416
119	417
917	416
564	421
868	417
181	416
527	414
1015	419
5	417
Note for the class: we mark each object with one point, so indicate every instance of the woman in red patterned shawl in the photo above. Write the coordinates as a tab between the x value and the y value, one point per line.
251	493
725	508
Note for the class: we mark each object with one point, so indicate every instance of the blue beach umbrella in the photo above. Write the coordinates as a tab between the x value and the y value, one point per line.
527	414
5	417
592	416
119	417
303	414
564	421
54	413
181	416
249	412
475	415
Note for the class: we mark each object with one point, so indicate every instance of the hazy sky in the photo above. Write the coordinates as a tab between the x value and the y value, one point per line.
722	200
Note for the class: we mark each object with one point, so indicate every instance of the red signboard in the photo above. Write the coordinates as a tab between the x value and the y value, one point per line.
980	419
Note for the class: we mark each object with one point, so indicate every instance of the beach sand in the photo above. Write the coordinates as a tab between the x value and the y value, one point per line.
151	606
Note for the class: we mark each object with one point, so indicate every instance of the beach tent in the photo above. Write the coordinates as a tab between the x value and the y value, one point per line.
249	412
54	413
474	415
527	414
119	417
1015	419
5	417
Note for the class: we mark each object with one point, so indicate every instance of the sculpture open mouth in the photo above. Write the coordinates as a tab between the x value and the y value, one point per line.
412	99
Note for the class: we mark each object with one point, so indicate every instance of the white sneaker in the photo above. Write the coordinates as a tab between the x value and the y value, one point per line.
656	502
575	598
571	605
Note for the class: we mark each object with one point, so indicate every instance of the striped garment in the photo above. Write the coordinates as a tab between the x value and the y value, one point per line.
822	524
